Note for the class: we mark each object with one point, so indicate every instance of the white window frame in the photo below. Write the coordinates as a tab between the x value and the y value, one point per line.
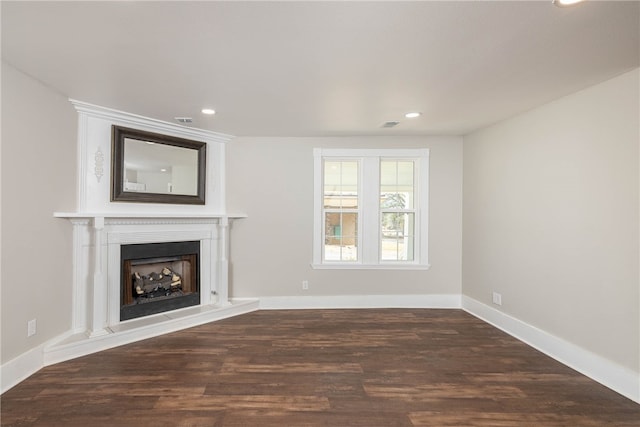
369	252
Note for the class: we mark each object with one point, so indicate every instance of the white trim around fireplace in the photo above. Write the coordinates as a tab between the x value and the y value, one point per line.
96	247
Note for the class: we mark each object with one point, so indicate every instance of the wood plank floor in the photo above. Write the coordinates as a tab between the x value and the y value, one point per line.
390	367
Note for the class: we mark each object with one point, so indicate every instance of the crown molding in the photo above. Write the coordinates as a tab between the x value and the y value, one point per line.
149	124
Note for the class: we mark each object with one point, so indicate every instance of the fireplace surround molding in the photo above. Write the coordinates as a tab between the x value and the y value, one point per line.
100	227
96	246
97	241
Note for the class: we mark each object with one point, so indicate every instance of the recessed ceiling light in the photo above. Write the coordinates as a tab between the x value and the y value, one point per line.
208	111
564	3
412	115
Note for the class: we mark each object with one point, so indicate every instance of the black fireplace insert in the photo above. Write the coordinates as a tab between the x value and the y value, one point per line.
158	277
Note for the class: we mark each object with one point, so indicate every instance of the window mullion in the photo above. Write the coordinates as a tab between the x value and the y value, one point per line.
318	209
370	210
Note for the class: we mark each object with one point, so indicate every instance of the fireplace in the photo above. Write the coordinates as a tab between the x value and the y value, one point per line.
158	277
98	274
105	310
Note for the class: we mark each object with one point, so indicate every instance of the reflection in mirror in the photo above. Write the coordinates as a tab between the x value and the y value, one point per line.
154	168
161	169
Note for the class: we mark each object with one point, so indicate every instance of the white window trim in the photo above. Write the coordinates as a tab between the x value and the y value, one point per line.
369	256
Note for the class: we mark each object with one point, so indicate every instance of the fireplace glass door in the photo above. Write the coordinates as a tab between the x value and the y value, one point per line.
158	277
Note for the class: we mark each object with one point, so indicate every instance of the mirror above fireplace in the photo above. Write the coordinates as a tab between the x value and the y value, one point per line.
154	168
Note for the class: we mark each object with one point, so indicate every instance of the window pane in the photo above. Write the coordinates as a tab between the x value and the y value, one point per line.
397	237
388	172
405	174
340	184
341	236
350	173
331	173
395	201
396	184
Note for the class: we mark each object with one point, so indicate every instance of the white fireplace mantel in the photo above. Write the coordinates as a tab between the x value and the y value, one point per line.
97	238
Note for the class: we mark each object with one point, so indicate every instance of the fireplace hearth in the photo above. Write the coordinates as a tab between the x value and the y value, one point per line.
158	277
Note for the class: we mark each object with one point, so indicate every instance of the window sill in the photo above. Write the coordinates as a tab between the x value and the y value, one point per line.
370	266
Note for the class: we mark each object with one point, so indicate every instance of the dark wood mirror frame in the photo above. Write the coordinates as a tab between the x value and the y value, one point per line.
118	192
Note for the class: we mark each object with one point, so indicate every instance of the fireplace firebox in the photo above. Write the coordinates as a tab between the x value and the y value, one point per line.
158	277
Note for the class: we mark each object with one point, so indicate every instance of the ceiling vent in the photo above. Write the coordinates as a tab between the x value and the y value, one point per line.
390	124
184	119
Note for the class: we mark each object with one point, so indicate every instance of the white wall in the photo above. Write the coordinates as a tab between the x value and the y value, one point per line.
271	180
551	218
39	133
184	180
156	182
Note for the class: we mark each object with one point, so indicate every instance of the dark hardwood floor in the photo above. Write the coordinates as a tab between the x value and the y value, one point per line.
391	367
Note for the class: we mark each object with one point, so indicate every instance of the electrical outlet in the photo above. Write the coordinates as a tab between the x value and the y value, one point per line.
497	298
305	285
31	327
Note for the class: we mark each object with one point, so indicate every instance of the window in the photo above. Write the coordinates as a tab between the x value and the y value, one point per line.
371	208
340	200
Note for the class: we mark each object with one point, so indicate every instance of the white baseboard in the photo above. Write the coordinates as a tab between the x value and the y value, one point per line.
17	370
360	301
28	363
67	347
610	374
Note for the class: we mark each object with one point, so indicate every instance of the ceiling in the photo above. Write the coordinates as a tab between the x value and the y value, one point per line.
321	68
